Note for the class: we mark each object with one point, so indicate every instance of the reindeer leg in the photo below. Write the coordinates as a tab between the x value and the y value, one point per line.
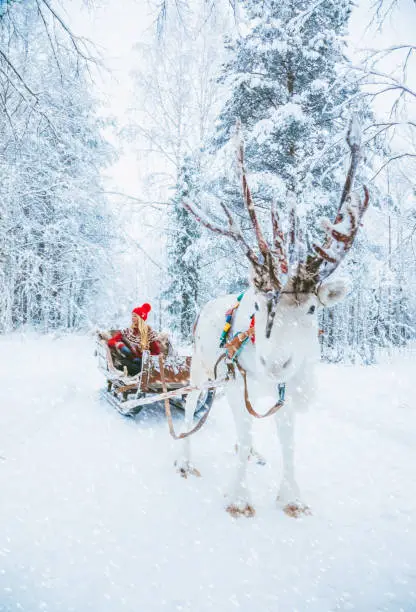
289	494
255	456
183	464
239	502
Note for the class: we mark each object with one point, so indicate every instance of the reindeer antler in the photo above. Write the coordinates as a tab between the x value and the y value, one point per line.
263	246
272	262
340	235
278	240
233	231
354	142
268	273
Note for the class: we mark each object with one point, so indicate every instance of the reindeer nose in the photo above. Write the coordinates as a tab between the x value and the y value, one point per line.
275	367
278	366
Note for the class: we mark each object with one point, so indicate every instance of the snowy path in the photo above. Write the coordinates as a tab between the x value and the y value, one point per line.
94	518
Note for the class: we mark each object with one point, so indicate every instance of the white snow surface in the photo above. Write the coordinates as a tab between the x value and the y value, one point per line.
94	517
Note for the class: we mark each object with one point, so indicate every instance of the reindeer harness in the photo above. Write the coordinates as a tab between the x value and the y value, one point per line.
232	351
234	346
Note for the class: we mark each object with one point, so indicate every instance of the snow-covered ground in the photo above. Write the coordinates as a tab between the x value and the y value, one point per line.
93	516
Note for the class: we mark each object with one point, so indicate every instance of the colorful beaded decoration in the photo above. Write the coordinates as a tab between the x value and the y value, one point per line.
253	324
228	320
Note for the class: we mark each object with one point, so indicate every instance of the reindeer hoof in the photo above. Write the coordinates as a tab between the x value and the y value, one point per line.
297	509
186	469
237	511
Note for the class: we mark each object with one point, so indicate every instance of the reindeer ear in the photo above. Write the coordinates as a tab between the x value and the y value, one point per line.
332	292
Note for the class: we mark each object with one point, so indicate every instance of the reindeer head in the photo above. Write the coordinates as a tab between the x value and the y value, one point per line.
306	286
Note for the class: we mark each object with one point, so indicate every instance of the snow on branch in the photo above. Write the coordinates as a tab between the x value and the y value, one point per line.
389	82
79	44
14	75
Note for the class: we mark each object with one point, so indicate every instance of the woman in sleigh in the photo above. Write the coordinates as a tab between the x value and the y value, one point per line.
127	345
125	358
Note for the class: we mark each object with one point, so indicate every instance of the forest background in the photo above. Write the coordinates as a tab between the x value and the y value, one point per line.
114	114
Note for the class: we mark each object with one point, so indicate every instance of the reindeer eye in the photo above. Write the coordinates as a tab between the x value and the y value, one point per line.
256	306
311	309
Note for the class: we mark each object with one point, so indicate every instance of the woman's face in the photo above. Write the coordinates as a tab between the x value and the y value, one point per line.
134	320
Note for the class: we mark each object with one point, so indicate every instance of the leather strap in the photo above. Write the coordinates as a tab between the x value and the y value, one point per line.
234	345
169	414
249	407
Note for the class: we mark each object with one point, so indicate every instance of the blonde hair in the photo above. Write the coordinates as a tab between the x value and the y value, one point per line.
144	333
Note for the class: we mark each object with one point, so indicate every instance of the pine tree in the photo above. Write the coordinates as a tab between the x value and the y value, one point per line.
183	255
284	75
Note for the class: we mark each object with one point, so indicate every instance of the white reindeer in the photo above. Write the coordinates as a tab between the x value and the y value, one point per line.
286	335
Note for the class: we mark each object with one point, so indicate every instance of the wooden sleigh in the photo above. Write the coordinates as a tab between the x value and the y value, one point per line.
129	394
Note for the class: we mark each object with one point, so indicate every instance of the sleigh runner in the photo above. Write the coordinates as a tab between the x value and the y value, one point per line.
129	394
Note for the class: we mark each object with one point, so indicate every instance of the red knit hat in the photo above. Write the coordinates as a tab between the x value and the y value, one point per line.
142	311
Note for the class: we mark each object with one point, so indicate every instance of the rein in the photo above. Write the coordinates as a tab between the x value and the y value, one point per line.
172	432
233	349
279	404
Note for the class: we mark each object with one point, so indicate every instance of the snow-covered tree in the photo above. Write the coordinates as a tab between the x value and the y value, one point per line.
55	229
182	294
285	83
379	312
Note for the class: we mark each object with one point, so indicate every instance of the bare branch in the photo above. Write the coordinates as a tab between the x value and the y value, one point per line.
17	74
389	80
391	159
42	16
79	44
